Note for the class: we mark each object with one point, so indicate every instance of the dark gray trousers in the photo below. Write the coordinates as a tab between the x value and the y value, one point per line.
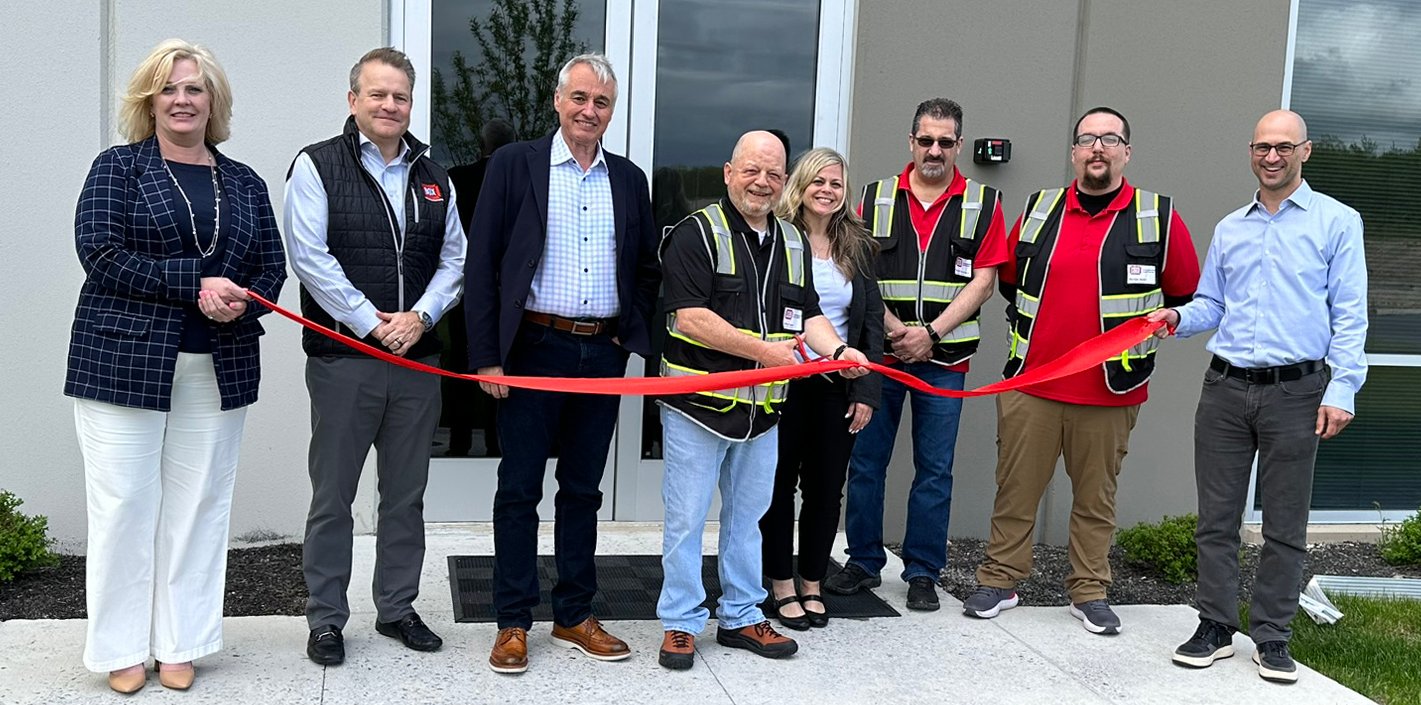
357	403
1235	419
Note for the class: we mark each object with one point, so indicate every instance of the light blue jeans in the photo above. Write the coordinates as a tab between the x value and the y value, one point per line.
696	460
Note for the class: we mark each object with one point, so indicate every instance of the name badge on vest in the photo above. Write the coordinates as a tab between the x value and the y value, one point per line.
1140	274
794	319
431	193
962	267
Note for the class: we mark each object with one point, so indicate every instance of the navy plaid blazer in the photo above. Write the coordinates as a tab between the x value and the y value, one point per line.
129	230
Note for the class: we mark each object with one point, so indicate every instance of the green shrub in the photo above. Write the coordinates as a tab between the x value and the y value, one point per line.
23	544
1400	543
1166	547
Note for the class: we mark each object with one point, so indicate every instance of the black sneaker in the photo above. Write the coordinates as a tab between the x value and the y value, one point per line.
850	580
1211	642
922	594
987	602
326	646
1275	664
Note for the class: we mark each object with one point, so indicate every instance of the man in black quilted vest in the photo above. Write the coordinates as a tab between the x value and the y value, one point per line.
374	236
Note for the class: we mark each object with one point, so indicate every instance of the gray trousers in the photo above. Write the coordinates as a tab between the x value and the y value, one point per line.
357	403
1235	419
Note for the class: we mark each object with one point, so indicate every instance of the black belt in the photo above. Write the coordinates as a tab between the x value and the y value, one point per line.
594	326
1266	375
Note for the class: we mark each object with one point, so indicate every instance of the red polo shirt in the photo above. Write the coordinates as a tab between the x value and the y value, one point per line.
991	253
1070	303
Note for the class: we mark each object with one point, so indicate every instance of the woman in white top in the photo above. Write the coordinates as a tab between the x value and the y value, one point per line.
822	413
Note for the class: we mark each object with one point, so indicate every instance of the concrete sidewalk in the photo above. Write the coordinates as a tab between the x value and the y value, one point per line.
1027	655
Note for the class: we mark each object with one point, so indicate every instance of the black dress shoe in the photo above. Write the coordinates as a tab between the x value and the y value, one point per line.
326	646
818	620
799	623
412	632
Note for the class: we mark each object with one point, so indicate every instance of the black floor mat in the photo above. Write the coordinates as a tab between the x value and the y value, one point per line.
627	588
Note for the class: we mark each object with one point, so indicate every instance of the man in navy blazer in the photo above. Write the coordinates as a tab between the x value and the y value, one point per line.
560	281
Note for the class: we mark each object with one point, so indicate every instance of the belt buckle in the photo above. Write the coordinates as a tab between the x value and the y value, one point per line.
578	327
1264	375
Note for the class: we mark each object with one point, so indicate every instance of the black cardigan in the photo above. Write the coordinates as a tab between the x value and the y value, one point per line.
865	332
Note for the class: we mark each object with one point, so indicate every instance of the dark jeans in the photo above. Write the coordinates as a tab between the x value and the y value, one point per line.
814	453
528	424
1236	419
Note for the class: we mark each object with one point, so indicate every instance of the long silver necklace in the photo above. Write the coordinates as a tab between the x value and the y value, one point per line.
192	215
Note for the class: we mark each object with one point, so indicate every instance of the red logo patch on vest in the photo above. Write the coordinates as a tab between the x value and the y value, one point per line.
431	193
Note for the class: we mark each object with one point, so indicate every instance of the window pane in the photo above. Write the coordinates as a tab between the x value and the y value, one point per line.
724	67
1373	462
488	64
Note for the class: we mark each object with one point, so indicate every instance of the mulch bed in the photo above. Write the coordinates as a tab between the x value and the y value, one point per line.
266	580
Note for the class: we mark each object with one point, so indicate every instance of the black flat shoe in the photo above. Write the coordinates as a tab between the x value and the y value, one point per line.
818	620
326	646
798	624
412	631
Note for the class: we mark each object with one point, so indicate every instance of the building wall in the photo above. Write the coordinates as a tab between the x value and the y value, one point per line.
288	65
1191	77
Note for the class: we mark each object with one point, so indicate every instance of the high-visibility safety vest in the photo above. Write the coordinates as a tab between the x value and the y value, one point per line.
765	305
1131	267
917	284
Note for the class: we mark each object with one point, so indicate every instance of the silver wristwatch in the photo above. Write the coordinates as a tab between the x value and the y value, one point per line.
426	320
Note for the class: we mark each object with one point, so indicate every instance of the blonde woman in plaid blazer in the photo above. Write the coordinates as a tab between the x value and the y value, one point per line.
163	361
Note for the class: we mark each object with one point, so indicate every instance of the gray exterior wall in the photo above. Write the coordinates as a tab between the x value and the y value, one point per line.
1193	78
288	65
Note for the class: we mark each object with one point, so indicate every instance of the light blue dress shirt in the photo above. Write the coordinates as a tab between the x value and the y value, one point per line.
1287	287
577	276
307	214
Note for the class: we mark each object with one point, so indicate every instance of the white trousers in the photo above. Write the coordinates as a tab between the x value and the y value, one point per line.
159	489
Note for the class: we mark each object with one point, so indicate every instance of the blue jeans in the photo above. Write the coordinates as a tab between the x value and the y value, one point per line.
930	500
696	460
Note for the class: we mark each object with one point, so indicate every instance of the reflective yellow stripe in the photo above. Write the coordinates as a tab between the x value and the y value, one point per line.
883	207
1126	305
971	209
673	329
1019	346
898	289
1045	203
941	292
1026	304
1145	348
1147	230
768	393
724	247
967	331
794	251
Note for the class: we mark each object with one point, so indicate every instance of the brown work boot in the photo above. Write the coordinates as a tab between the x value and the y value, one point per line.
678	651
591	639
760	638
510	651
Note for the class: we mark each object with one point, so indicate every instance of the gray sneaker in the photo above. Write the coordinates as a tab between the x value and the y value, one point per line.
1096	616
987	602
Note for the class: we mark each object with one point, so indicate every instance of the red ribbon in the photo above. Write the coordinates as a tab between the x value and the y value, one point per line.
1088	355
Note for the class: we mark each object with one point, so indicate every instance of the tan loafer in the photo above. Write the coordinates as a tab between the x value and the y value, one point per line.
176	678
128	680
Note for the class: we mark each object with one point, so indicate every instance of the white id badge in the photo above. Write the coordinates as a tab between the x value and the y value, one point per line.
794	319
1140	274
962	267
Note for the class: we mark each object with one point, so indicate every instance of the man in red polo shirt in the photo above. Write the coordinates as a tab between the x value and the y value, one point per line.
1087	258
941	238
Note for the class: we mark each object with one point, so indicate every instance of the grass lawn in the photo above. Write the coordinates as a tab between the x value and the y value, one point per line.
1375	649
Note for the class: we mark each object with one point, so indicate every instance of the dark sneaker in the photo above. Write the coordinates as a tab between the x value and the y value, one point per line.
678	651
1274	662
922	594
760	638
987	602
1096	616
326	646
1211	642
850	580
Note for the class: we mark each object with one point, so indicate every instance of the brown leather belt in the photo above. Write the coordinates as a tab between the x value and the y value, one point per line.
595	326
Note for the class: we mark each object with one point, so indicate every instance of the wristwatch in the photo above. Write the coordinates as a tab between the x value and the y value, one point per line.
426	320
932	333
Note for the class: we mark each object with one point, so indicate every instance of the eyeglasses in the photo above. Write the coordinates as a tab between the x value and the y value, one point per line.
1284	149
945	142
1109	139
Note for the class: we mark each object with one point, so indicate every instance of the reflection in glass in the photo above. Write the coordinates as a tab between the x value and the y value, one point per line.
495	70
724	67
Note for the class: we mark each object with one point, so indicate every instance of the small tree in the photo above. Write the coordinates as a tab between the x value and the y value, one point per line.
521	46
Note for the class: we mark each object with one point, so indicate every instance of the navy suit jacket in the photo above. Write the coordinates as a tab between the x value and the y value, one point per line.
129	230
506	245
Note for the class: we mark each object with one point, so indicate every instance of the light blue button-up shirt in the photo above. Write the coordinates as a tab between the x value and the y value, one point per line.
577	276
307	215
1287	287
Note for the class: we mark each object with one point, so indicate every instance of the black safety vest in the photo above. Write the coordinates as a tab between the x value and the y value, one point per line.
1131	266
764	305
917	286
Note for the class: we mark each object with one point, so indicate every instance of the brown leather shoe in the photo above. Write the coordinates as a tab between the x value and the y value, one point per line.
128	680
678	650
175	678
760	638
591	639
510	651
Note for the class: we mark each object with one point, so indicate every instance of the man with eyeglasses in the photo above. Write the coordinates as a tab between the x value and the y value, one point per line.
941	238
1088	257
1285	283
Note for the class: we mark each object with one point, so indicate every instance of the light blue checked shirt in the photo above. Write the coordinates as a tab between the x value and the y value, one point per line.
1287	287
577	277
